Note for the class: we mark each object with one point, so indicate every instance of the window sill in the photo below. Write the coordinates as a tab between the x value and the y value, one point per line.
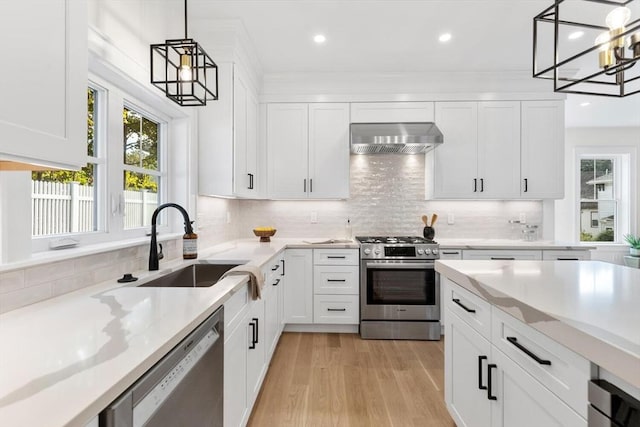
54	255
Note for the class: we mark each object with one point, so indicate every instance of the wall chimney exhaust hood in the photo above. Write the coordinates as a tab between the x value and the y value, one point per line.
402	138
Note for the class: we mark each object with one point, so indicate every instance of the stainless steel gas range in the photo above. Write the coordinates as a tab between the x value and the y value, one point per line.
399	288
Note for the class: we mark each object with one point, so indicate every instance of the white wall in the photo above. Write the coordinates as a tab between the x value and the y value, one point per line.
566	217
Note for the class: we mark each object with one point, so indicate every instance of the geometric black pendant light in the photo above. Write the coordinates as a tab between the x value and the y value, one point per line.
183	70
589	47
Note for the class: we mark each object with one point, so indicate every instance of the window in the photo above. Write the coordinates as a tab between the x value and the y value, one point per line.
64	201
114	196
605	200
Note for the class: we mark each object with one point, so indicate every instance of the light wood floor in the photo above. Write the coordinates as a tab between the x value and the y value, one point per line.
341	380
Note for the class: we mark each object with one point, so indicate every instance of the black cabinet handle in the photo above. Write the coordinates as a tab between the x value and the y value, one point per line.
490	366
250	181
277	282
567	259
282	261
336	257
336	309
253	336
503	258
526	185
311	185
480	359
257	333
467	309
475	185
275	267
305	185
481	185
336	280
514	341
450	252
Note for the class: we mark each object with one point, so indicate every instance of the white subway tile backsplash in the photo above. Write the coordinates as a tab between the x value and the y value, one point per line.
47	273
11	281
71	283
20	298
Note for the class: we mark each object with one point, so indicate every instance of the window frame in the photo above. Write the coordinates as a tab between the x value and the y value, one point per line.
112	96
624	177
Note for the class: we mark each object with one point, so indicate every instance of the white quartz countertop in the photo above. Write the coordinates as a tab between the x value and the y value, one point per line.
509	244
591	307
65	359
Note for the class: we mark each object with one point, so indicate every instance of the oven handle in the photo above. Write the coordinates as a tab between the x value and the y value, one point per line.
399	266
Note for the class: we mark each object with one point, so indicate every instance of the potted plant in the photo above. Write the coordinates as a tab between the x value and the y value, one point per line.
634	241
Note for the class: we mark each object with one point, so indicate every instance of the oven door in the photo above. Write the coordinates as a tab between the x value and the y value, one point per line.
399	290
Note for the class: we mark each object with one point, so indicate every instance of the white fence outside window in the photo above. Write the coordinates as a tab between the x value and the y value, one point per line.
61	208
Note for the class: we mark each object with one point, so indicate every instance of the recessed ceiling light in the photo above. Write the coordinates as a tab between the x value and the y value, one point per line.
585	104
576	35
445	37
319	38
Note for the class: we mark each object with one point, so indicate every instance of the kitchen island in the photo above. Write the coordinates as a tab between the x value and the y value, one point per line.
578	318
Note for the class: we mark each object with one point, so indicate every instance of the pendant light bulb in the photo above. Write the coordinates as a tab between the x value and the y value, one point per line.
618	18
185	73
605	53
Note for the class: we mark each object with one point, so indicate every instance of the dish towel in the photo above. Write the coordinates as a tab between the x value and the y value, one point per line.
256	281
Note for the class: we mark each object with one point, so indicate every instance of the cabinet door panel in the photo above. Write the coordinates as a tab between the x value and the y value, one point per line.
240	134
255	356
43	112
455	161
287	143
298	292
467	403
235	376
543	149
524	402
385	112
329	151
499	149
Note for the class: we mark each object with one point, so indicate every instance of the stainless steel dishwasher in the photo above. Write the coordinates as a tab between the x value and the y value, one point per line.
183	389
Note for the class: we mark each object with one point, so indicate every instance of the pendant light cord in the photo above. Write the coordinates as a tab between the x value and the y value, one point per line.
185	19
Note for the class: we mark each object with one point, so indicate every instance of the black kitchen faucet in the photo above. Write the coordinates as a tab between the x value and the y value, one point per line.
154	263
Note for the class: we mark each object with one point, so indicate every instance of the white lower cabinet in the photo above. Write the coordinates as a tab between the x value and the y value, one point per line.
486	387
298	294
236	410
486	254
256	355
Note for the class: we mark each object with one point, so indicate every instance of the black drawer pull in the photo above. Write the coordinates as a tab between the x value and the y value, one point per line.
503	258
490	366
514	341
450	253
480	359
336	309
467	309
336	257
567	259
277	282
275	267
336	280
257	333
253	336
282	261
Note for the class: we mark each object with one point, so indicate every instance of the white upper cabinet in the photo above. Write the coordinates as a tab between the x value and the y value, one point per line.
308	151
497	150
228	138
455	162
391	112
542	161
43	81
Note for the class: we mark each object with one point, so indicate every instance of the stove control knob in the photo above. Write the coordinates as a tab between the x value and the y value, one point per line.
367	251
420	252
434	251
427	251
377	252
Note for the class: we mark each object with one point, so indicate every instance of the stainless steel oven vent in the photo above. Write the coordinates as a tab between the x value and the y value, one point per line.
401	138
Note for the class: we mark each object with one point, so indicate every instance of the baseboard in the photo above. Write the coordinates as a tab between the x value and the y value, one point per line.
324	328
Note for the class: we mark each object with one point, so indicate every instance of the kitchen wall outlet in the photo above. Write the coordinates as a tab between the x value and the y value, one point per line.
523	218
451	219
228	217
314	217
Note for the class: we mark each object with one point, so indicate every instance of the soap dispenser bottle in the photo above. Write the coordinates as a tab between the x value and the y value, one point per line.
189	243
347	230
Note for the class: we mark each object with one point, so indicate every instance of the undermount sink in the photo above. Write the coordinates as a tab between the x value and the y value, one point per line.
193	276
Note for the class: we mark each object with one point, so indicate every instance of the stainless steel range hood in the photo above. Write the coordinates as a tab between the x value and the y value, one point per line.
403	138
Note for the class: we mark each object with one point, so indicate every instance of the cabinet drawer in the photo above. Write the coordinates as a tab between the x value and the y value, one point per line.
469	307
559	369
335	279
235	307
566	255
341	309
336	257
450	253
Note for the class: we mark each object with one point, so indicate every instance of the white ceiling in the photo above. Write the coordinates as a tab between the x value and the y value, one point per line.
402	35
